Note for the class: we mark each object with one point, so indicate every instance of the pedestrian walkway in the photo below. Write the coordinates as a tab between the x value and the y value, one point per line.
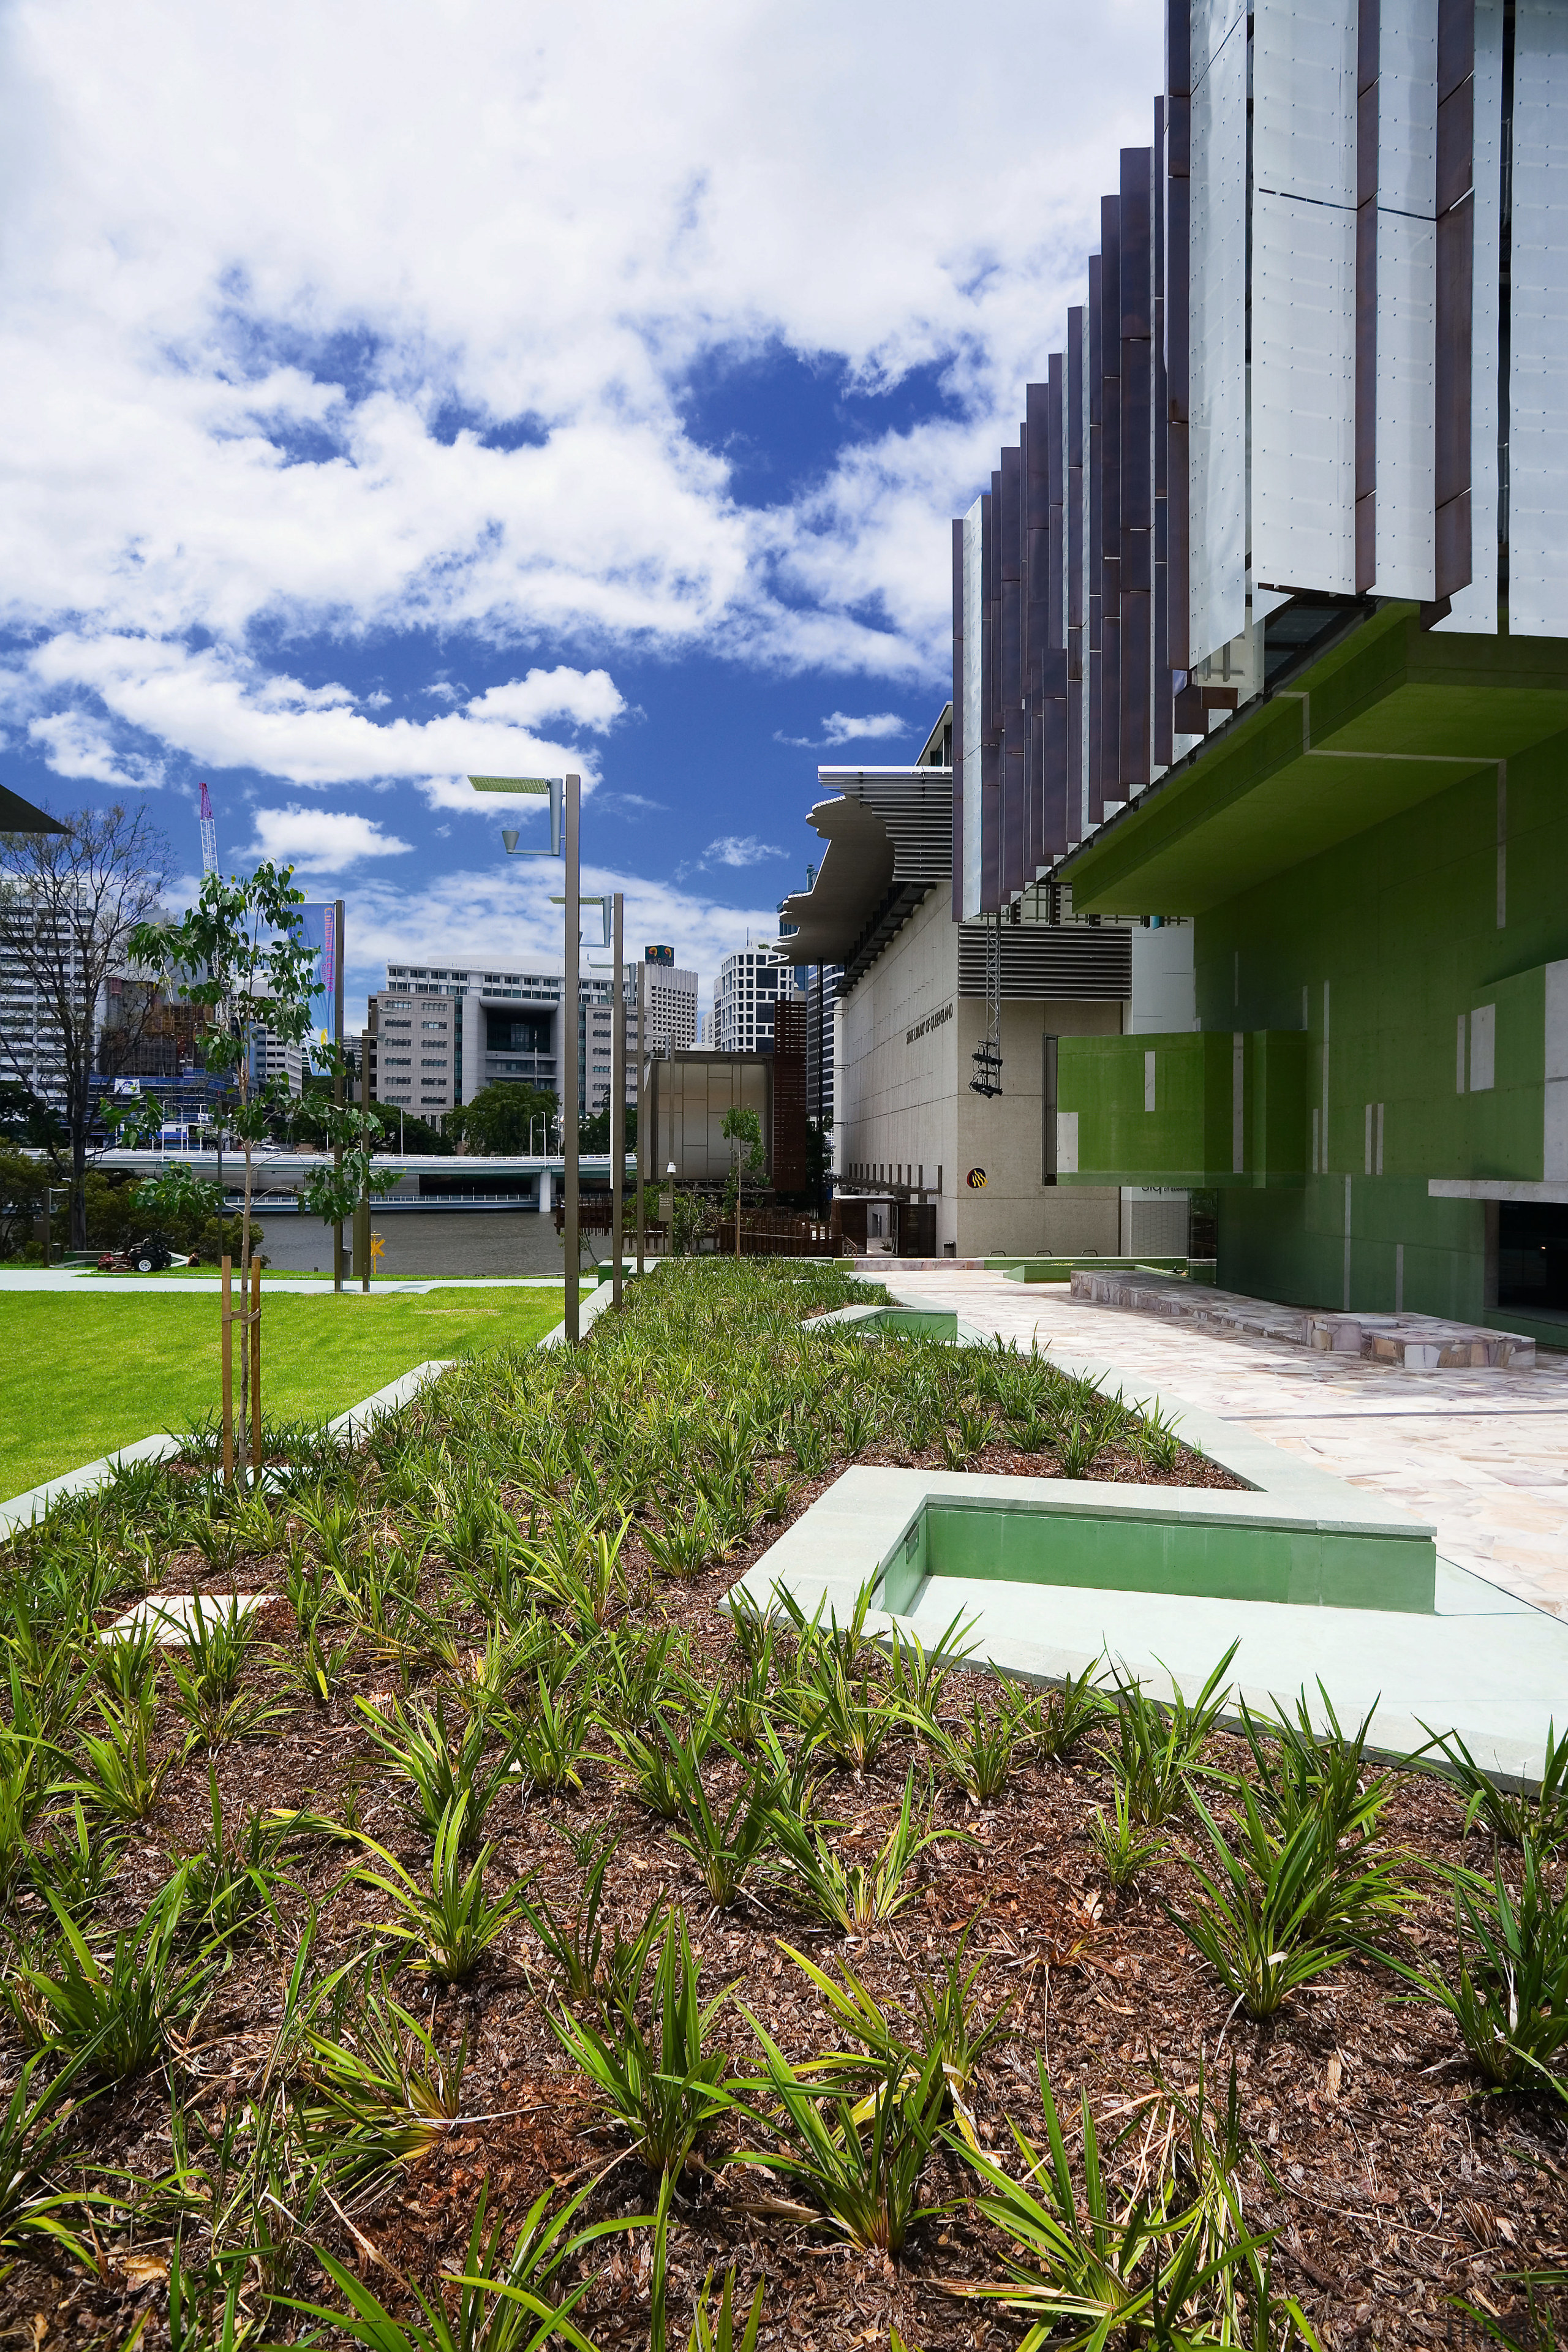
1482	1455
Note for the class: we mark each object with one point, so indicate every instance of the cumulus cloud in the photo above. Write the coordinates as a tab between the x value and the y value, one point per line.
221	709
731	849
319	374
323	841
75	745
840	728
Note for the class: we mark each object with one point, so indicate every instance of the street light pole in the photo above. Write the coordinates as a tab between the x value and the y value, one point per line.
618	1101
641	973
569	1235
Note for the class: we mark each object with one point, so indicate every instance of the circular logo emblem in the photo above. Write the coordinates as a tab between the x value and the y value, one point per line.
975	1180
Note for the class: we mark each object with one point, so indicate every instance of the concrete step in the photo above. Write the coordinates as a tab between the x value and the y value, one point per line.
1415	1343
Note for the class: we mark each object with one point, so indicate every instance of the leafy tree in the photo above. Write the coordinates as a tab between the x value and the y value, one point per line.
242	954
415	1136
742	1131
334	1190
26	1118
21	1198
593	1134
497	1123
70	906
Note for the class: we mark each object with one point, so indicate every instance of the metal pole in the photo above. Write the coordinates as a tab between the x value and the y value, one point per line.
642	991
338	1079
569	1235
255	1337
227	1373
617	1100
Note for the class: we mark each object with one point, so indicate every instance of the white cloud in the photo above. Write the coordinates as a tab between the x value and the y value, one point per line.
322	841
840	728
220	709
731	849
501	916
75	745
397	336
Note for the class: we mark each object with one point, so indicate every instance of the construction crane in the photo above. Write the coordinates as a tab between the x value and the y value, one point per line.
209	834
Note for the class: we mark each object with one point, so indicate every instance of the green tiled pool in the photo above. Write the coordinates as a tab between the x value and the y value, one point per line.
1127	1546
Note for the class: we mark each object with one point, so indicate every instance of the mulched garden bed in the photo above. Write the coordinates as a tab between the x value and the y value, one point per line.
1393	2183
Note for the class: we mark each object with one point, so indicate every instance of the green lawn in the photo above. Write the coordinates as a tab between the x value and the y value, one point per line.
85	1373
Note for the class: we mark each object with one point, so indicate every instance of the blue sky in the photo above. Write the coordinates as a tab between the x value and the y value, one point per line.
399	391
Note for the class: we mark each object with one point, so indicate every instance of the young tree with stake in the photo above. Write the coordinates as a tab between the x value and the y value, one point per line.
241	952
742	1131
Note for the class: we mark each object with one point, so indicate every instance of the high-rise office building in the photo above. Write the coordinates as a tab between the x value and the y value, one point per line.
750	984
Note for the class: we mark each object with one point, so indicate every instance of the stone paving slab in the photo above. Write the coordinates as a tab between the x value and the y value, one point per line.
173	1614
1482	1455
1417	1343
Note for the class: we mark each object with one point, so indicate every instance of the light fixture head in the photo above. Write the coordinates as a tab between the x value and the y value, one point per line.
671	1169
508	838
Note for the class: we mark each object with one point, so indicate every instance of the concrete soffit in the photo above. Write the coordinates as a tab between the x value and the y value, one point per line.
1388	717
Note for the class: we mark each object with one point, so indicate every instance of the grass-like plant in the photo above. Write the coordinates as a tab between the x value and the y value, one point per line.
852	1896
724	1844
919	1676
513	2304
420	1749
1507	1992
1541	1819
551	1738
120	1780
127	1661
380	2092
1120	1846
664	2085
1155	1747
1086	2268
447	1927
682	1546
76	1861
34	2124
575	1939
971	1431
1256	1918
1073	1708
111	2010
951	2028
1300	1772
858	2160
979	1750
207	1668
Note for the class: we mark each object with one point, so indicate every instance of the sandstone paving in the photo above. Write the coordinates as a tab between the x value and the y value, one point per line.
1481	1452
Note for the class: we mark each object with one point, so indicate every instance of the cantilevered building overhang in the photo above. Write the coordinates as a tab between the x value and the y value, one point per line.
889	841
1395	714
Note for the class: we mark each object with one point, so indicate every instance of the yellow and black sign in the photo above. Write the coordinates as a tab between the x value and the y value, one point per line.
975	1180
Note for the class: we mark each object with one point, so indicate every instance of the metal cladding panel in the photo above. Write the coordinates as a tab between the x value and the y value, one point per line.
1216	437
1088	635
1406	531
1172	407
1212	22
1303	394
1137	660
958	696
1073	510
1056	615
1475	608
1408	107
1304	94
1537	529
970	720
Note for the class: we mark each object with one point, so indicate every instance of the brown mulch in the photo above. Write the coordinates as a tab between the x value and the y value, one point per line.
1393	2183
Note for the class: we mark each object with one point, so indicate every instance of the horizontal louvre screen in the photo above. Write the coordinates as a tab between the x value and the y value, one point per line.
1043	960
